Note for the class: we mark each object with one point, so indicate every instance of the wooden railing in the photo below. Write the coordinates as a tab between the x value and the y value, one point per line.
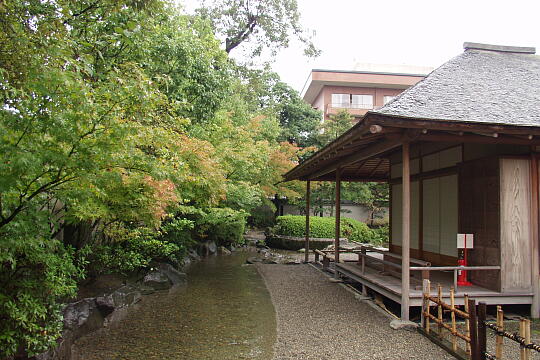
468	336
474	333
364	257
521	338
425	267
327	257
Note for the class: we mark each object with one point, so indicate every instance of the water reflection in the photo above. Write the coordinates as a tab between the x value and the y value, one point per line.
224	312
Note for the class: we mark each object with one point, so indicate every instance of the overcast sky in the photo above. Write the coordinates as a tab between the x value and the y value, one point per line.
412	32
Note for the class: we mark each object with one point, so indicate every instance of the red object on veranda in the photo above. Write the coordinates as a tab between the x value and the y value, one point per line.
462	274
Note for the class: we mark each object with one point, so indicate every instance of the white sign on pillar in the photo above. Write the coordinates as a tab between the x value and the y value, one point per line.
465	241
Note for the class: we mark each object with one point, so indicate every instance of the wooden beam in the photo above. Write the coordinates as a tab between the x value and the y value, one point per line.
332	178
421	207
375	168
494	135
405	233
338	216
374	129
356	132
451	170
360	166
445	125
368	152
528	137
535	261
353	148
479	139
308	198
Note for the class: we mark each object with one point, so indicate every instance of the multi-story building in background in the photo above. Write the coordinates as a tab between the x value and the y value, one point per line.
367	87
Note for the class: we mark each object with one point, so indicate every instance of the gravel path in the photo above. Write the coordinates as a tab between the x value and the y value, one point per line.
318	319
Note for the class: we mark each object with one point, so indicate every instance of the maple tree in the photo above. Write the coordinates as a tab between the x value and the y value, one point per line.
124	138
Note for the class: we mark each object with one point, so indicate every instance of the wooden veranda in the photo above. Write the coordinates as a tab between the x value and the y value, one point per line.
362	154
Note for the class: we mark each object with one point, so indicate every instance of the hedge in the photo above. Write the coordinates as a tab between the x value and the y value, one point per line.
322	227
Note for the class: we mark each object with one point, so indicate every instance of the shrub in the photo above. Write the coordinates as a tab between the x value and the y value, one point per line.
380	235
355	230
223	225
322	227
262	216
35	274
178	231
141	247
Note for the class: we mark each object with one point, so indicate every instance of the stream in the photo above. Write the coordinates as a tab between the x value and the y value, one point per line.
224	312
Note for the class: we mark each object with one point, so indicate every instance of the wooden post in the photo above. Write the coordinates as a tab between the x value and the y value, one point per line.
467	321
439	310
475	353
308	195
500	339
406	235
338	215
453	318
535	261
482	334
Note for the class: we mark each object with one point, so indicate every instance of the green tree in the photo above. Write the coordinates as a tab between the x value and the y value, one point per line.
94	131
331	129
262	91
298	120
373	195
124	129
264	24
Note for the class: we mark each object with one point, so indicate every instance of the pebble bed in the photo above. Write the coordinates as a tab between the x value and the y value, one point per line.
319	319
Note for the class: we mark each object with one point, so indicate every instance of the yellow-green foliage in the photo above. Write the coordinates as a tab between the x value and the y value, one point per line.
322	227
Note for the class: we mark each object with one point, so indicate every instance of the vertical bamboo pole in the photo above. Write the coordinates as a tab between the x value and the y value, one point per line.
439	310
453	317
338	215
467	321
528	337
525	332
426	290
482	334
308	199
500	339
405	233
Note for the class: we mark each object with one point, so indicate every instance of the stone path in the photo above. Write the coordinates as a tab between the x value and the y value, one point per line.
318	319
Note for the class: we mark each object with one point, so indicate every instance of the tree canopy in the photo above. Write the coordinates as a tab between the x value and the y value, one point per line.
125	137
261	24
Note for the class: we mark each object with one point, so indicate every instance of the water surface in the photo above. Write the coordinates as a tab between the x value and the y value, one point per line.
224	312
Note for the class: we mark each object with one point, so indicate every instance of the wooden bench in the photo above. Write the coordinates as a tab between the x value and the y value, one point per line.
391	266
328	256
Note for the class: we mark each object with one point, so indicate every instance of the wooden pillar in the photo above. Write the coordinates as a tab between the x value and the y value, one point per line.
338	214
308	195
406	235
535	261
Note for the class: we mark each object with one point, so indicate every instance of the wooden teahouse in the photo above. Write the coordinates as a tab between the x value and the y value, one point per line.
460	151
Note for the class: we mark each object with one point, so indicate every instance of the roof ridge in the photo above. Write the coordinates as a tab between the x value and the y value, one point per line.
499	48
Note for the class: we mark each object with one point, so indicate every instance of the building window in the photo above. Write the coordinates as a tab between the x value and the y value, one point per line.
362	101
341	100
388	98
352	101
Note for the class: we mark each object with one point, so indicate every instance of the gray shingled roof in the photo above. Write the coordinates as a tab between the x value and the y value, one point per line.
476	86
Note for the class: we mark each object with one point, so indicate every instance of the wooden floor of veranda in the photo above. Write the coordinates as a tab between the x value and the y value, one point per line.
390	286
